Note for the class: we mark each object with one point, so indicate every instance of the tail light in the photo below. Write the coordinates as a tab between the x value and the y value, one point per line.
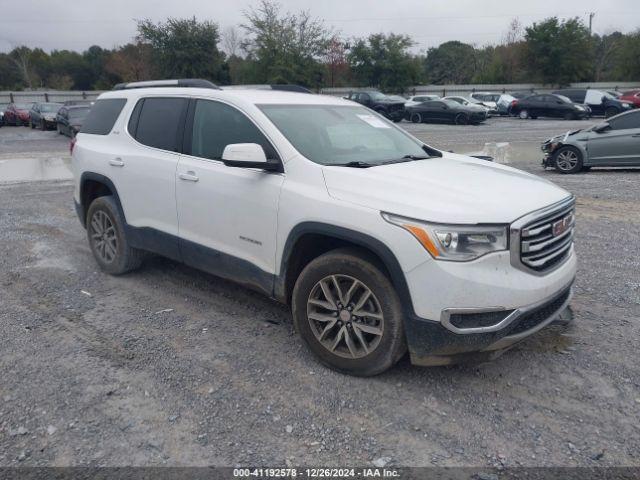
514	103
72	144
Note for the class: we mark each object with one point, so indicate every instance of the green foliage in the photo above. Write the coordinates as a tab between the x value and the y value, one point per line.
184	48
284	47
384	61
451	62
559	51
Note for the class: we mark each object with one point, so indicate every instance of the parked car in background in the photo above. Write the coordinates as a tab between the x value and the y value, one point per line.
70	119
488	99
43	115
600	102
632	97
417	99
548	105
387	106
467	102
504	104
3	107
446	111
614	142
17	114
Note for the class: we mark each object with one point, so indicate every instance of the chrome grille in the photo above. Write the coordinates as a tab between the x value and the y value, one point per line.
545	240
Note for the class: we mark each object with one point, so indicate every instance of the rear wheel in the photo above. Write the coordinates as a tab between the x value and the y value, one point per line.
108	240
461	119
416	118
348	313
524	114
568	159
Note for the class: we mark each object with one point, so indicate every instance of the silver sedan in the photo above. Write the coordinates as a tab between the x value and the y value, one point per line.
612	143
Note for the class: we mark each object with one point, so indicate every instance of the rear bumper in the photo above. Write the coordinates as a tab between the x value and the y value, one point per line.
433	343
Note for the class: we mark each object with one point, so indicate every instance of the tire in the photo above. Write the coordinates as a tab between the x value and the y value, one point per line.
103	217
461	119
58	129
567	160
397	120
32	125
610	112
356	351
523	114
416	118
43	126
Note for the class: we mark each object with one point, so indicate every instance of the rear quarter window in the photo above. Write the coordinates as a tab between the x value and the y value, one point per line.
103	116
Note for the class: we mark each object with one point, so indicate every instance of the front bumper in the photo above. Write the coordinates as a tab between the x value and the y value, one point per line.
433	344
514	303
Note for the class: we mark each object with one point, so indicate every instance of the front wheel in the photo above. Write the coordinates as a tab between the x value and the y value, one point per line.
416	118
610	112
108	240
524	114
568	160
348	313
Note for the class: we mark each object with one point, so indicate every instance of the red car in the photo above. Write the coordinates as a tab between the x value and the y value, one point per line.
17	114
632	96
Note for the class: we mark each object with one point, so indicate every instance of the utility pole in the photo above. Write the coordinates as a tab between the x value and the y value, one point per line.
591	15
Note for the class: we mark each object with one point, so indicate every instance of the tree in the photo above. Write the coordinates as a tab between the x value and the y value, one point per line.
10	77
384	61
451	62
131	63
336	63
183	48
559	51
285	47
628	65
21	58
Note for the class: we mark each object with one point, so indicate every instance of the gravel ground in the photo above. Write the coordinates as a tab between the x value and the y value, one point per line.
170	366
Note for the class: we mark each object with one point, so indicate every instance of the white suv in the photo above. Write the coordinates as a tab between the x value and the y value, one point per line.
379	242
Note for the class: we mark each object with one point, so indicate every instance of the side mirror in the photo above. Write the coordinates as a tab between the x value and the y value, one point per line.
247	155
601	127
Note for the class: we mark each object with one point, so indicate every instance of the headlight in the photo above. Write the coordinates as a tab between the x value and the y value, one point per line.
579	107
458	243
626	105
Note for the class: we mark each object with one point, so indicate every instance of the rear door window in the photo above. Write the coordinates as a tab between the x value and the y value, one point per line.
160	122
103	116
625	122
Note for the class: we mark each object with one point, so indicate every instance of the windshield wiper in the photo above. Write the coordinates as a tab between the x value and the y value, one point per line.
406	158
354	164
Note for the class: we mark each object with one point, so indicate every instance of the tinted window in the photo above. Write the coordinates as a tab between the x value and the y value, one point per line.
624	122
216	125
103	116
159	122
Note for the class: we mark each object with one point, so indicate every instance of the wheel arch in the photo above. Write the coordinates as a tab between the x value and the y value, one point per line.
94	185
309	240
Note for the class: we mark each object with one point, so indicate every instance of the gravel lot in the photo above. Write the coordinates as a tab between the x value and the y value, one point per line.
170	366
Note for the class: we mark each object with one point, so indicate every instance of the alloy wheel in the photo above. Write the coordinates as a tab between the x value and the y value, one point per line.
345	316
567	160
103	236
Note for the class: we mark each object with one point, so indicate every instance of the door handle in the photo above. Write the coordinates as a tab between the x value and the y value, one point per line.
189	176
116	162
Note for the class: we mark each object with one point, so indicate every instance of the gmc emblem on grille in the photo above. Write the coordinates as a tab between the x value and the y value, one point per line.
562	225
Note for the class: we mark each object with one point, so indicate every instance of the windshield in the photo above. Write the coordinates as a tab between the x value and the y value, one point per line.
337	135
50	107
377	96
453	103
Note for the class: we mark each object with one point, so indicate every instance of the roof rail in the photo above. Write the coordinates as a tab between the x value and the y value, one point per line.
181	82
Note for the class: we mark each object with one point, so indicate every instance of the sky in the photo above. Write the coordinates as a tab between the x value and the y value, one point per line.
78	24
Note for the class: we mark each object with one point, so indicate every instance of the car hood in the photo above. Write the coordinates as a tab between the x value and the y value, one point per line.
448	189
